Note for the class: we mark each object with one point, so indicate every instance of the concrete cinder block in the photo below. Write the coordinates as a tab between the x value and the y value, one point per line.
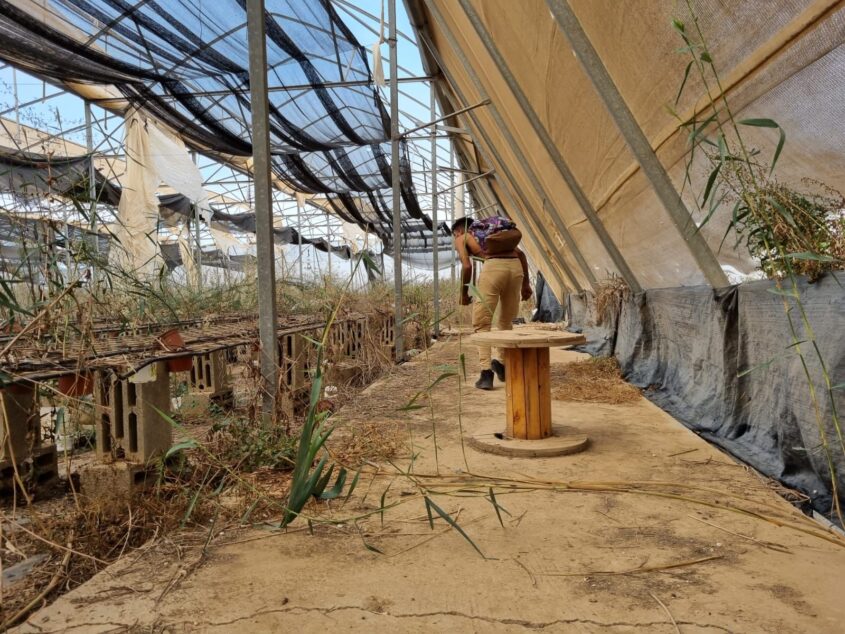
381	331
210	373
19	421
129	420
297	357
38	468
346	338
115	482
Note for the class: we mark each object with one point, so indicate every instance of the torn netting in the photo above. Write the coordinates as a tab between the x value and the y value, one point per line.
187	65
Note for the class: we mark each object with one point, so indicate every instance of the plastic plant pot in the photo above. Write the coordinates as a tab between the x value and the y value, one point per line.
172	341
76	384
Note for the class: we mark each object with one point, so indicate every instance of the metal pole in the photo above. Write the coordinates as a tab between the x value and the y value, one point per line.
92	187
259	106
638	143
17	104
434	122
329	238
299	239
398	338
470	180
197	228
515	147
551	148
527	210
452	187
434	222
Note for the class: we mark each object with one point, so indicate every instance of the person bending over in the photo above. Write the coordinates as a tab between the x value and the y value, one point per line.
502	283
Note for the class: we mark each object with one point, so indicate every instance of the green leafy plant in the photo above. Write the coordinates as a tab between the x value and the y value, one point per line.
792	232
249	446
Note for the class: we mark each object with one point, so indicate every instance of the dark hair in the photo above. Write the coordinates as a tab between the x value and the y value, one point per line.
461	223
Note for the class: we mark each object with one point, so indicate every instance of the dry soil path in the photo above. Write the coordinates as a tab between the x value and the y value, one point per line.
565	561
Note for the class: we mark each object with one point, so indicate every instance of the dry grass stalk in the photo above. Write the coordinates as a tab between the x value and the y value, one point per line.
610	294
596	380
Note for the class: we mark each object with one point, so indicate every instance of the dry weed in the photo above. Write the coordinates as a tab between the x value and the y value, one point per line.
610	294
596	380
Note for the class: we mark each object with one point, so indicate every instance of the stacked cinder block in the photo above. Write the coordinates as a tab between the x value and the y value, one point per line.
358	328
386	331
129	417
292	359
210	376
340	340
131	432
21	452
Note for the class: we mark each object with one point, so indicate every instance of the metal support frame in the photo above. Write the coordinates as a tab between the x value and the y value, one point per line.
531	227
104	101
329	238
399	317
640	146
551	148
434	121
452	188
512	143
259	106
505	170
92	186
299	239
435	231
197	232
489	172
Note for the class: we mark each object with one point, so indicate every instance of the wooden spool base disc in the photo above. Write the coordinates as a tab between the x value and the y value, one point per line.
562	442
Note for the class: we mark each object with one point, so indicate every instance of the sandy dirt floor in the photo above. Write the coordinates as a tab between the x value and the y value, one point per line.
651	529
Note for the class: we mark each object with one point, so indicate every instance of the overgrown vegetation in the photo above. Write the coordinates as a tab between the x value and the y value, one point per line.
793	232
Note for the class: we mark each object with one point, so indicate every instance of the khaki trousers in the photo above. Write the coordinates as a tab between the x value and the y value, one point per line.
500	284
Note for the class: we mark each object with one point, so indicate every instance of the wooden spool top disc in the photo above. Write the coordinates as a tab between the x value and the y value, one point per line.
527	338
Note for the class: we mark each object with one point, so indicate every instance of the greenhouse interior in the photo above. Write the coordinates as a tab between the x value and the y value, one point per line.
422	315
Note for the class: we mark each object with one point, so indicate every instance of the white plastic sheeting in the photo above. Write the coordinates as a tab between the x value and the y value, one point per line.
153	156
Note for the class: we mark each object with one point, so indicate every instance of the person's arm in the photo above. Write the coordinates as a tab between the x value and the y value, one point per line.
466	269
526	283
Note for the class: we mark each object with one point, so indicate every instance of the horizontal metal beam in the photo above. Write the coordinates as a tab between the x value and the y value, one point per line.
448	116
292	88
466	182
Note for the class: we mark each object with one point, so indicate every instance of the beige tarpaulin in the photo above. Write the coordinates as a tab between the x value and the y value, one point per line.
153	156
781	60
353	236
226	242
192	272
136	229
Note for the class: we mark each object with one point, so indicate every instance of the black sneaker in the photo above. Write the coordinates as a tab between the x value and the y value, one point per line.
486	380
499	368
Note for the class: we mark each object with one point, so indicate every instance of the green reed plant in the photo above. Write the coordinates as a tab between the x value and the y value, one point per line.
791	232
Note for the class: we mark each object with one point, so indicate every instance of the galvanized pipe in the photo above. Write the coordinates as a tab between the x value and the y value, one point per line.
259	106
399	339
434	204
